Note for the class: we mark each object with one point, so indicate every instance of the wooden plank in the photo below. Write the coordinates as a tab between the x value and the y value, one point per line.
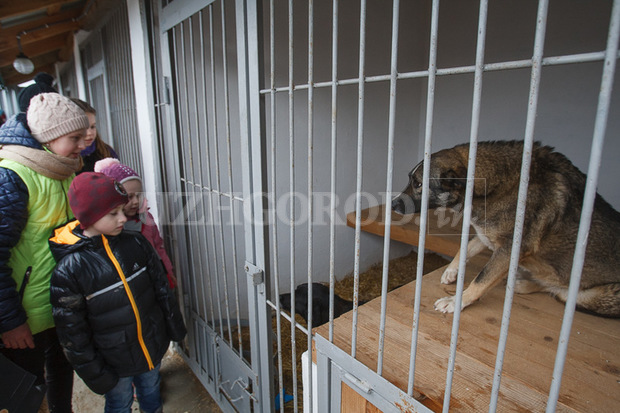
352	402
443	229
591	374
17	8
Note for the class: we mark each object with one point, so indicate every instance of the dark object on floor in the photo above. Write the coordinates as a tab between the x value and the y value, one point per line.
320	303
17	390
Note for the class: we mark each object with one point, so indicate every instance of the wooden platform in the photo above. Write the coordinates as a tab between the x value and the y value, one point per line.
591	379
443	229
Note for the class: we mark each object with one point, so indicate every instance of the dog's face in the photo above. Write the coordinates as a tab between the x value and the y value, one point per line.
447	182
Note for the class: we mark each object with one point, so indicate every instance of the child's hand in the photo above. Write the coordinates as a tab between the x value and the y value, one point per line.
19	337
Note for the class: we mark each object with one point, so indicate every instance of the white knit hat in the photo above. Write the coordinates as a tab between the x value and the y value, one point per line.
51	115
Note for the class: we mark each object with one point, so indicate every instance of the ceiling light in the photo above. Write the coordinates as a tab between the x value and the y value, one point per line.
21	63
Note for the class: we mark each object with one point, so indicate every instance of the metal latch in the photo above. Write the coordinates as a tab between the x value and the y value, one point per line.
255	272
362	385
244	387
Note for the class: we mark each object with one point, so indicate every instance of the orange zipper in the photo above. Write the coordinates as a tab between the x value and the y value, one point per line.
106	245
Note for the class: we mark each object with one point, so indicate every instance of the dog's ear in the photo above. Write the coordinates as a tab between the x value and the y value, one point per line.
454	178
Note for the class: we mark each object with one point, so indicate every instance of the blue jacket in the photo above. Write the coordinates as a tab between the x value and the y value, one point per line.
13	218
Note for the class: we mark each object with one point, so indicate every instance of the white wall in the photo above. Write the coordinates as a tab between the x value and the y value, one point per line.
568	94
566	111
376	107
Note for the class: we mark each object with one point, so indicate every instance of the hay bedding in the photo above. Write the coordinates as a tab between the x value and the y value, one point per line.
401	271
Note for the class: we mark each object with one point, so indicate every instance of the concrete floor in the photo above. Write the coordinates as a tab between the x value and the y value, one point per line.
181	391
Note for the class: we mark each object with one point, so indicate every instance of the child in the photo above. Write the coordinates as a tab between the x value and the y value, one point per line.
138	217
114	312
40	152
43	83
96	148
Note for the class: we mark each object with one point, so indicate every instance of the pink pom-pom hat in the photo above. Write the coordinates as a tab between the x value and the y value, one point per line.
114	169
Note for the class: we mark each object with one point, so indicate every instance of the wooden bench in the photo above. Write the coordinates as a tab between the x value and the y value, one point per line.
591	379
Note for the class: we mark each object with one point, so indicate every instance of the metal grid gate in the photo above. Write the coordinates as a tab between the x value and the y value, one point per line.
106	57
212	210
249	195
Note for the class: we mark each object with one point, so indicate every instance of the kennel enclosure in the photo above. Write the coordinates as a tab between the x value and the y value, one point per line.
283	117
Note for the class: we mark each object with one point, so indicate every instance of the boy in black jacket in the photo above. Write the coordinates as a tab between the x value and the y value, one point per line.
114	312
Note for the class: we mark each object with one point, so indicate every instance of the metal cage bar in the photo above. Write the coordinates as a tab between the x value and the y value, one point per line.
227	117
460	70
310	177
274	222
589	197
528	144
291	171
216	153
358	190
428	139
252	146
469	191
333	164
176	33
199	185
291	137
388	184
220	320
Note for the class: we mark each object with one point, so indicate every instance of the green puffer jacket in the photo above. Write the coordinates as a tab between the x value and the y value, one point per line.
48	207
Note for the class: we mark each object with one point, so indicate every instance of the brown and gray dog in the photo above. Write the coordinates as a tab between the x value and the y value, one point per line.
553	209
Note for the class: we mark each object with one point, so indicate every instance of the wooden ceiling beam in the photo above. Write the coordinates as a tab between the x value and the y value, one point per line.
54	9
9	42
14	30
18	7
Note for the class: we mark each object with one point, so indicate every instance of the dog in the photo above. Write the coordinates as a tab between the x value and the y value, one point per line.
551	222
320	303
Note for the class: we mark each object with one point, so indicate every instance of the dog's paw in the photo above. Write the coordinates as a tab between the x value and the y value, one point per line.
445	305
449	275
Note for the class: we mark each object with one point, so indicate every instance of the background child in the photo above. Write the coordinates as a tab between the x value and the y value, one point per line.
96	148
43	83
138	217
114	312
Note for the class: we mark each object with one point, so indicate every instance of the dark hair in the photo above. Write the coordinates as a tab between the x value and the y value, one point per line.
100	147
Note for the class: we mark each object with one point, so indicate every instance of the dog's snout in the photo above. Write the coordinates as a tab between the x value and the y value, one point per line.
398	205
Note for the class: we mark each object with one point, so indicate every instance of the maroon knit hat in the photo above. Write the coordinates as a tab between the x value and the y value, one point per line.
92	195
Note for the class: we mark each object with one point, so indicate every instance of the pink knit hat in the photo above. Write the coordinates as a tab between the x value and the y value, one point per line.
114	169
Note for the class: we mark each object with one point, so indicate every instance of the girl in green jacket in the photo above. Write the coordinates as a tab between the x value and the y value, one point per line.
40	154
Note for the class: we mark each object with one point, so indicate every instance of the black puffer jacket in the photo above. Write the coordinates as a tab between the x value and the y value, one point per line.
115	314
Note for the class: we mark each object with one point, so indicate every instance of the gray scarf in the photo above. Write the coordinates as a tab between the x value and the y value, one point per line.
41	161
